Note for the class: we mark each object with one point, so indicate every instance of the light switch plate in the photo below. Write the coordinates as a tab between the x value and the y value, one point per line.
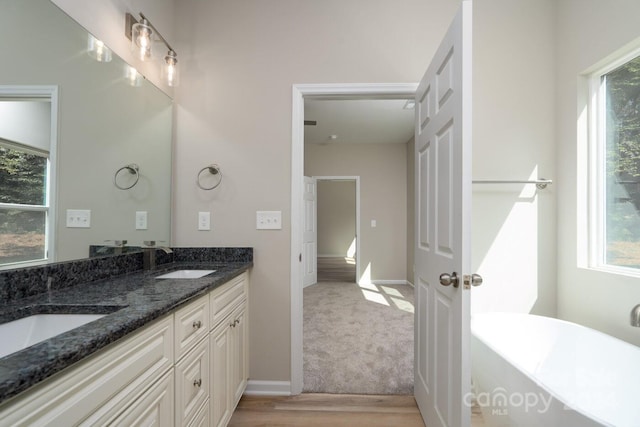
268	220
78	218
141	220
204	221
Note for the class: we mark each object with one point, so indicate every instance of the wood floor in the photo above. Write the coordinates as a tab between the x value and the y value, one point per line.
321	410
336	269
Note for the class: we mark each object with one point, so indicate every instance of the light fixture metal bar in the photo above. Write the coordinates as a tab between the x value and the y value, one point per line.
156	31
130	20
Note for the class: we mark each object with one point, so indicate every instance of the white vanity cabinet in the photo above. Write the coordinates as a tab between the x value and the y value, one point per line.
99	388
229	348
189	369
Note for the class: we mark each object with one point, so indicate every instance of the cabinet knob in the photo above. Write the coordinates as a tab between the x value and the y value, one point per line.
197	324
197	383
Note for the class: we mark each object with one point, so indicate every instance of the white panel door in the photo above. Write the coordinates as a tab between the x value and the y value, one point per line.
310	233
443	203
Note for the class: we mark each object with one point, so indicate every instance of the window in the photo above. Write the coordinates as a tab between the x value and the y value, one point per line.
23	204
616	155
26	148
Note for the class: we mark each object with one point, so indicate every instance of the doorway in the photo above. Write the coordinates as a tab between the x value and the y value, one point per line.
338	216
300	93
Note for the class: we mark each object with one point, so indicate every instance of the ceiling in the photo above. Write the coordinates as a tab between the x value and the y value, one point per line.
358	121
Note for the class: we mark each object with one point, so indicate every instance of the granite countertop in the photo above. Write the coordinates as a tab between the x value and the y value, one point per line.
137	298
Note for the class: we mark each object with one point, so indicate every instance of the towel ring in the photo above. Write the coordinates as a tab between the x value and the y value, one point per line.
213	170
133	169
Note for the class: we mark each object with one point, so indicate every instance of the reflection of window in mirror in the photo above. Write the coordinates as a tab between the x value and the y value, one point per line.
26	173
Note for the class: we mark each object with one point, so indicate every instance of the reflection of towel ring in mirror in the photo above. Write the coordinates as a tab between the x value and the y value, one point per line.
133	169
213	170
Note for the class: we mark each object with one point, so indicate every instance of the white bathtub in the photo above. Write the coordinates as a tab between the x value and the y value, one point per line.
538	371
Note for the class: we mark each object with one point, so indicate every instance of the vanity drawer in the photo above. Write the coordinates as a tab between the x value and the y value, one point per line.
227	297
191	325
192	383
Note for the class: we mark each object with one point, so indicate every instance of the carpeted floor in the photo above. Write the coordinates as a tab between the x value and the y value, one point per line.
358	339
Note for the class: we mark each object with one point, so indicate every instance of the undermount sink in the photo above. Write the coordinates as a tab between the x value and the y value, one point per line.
185	274
22	333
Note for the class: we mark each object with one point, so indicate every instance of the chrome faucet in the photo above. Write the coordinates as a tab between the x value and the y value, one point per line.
149	254
635	316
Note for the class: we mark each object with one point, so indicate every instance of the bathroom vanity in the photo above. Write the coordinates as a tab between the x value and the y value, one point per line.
170	352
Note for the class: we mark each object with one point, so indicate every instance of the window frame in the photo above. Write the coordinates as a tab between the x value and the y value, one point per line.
50	93
596	169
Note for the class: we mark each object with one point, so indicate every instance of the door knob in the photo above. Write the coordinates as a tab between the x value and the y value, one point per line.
476	279
447	279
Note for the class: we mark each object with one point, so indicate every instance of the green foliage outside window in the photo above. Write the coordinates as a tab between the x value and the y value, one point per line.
22	182
623	165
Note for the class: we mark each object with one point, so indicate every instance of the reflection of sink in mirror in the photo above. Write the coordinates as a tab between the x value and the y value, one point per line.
25	332
185	274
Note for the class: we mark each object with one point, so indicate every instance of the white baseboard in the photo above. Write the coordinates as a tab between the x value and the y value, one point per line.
268	388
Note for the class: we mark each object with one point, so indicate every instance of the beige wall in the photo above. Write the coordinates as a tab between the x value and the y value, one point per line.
381	168
234	108
336	209
589	30
514	235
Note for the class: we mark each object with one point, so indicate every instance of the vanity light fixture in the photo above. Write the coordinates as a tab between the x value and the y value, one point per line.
98	50
170	69
142	35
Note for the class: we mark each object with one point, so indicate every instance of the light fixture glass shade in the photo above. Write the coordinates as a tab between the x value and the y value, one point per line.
170	73
132	76
141	33
98	50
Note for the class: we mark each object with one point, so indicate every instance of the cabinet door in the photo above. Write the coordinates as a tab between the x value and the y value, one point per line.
192	383
202	417
238	354
220	340
154	408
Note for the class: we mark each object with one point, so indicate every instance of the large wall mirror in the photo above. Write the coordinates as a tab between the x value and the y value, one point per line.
68	123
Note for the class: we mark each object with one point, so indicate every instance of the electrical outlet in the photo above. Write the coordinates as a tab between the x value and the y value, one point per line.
78	218
204	221
269	220
141	220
